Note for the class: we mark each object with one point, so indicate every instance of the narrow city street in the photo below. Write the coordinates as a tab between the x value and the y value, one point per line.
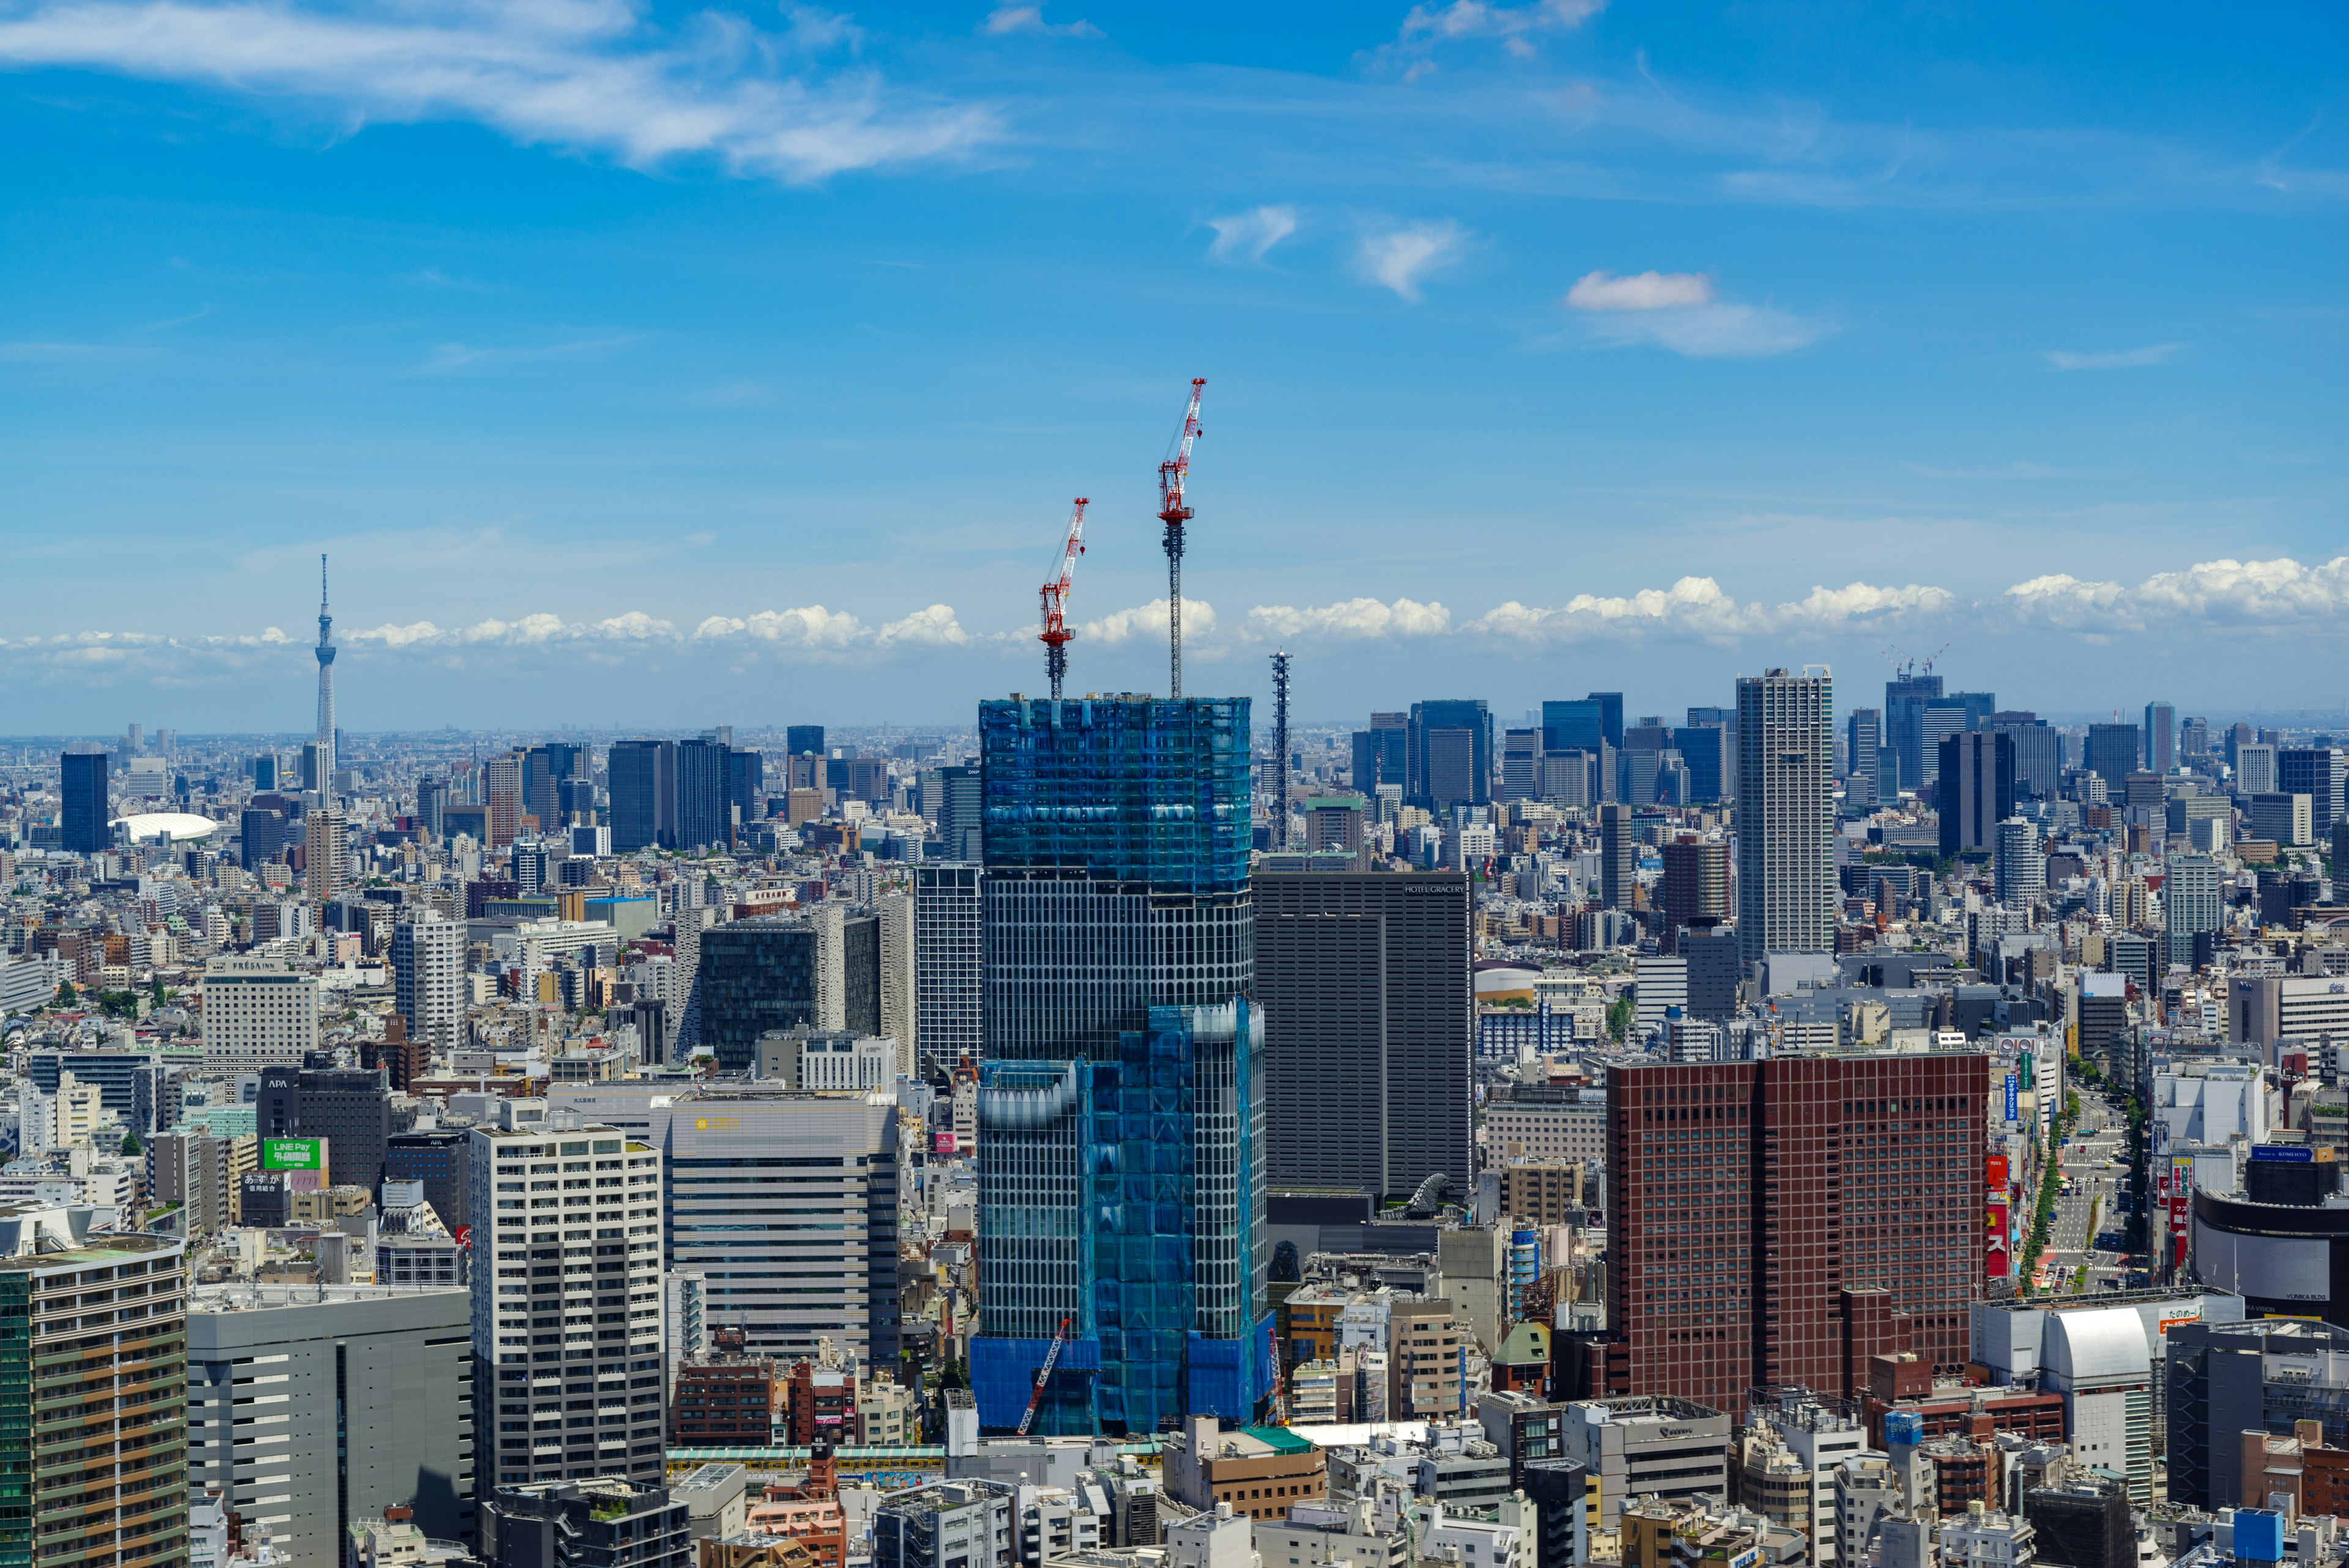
2088	1222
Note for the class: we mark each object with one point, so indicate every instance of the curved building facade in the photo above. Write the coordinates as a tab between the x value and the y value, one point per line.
2286	1258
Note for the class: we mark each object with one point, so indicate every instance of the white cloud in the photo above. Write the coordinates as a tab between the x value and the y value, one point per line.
1679	311
1640	291
2282	592
1030	19
1248	236
530	631
1149	620
586	73
1426	26
2125	359
809	627
1399	259
933	627
1699	607
1359	618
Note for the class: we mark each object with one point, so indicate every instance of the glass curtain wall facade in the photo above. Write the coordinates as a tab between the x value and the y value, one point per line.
1121	1105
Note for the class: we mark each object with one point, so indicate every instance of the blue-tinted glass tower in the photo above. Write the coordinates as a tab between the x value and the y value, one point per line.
1121	1165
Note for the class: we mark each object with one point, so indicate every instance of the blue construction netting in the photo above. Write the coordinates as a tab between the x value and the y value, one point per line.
1003	1375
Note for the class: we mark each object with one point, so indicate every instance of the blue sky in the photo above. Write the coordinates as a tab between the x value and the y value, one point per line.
680	366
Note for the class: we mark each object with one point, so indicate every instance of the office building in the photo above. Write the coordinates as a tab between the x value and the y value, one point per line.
951	1524
900	982
2223	1379
2286	821
96	1322
2318	772
2019	864
961	814
2255	769
1778	1222
2111	754
82	817
948	958
1975	791
2160	737
546	768
1695	889
2098	1361
257	1010
602	1520
326	855
371	1390
756	976
643	782
428	978
705	809
434	1160
1905	698
803	739
1646	1447
1580	726
1705	753
1619	855
787	1204
1715	972
2262	1009
1122	1058
502	798
1370	1015
261	836
2082	1524
1378	755
1786	891
1863	739
350	1107
566	1302
2193	907
1449	755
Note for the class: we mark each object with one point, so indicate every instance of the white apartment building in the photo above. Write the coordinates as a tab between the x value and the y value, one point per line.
428	971
257	1010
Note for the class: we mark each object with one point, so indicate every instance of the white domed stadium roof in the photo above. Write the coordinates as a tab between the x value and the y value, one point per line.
179	826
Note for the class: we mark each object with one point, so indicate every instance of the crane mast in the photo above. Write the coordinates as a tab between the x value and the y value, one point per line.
1175	510
1055	634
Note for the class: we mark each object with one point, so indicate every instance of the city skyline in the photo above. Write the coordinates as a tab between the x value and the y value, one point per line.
1643	342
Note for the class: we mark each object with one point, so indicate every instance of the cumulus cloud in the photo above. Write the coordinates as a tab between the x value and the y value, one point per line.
591	75
2125	359
2282	592
1030	19
811	627
932	627
1401	258
1426	26
1679	311
1700	606
1352	618
1149	620
1248	236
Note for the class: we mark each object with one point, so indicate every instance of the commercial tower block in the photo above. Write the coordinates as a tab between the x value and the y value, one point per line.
1779	1223
81	812
1120	1167
1369	1028
1786	891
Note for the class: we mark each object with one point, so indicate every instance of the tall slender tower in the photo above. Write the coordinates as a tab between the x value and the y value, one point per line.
1787	889
1280	750
326	688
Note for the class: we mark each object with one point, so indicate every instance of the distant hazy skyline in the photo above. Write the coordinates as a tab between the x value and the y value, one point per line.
664	367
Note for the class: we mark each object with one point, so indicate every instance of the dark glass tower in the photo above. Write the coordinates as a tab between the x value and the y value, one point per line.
81	819
1121	1108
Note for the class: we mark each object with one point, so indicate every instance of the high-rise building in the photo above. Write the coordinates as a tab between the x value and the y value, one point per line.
1520	752
257	1010
373	1388
325	855
1704	752
754	976
803	739
501	795
566	1302
961	812
705	811
900	987
2255	769
349	1107
1976	790
82	815
94	1322
746	784
1449	755
546	769
263	768
1121	1174
1379	754
2318	772
2038	753
643	776
2020	866
947	963
1715	971
1779	1223
327	757
1695	889
1905	696
2160	737
1369	1027
2288	821
2192	906
1786	891
1619	855
1577	725
1863	739
2111	754
261	836
428	978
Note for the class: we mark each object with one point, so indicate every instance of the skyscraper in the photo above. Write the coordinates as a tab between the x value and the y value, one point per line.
1695	889
1863	739
82	815
1120	1167
2038	757
1574	725
948	962
803	739
705	812
2191	906
1449	753
325	855
644	794
1369	1027
2020	866
327	760
1976	792
1779	1223
1618	856
1786	891
428	969
1379	754
753	976
2111	754
2316	772
2160	737
1905	696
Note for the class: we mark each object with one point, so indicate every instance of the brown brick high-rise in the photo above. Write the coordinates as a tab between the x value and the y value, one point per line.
1778	1222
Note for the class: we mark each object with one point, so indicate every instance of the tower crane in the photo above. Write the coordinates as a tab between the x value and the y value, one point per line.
1044	1375
1056	633
1175	510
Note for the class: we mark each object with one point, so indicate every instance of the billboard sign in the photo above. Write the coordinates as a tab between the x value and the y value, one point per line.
1996	1242
2011	1097
1994	1176
293	1154
2283	1153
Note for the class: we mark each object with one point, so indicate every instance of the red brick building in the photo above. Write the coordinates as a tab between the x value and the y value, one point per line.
1780	1222
726	1402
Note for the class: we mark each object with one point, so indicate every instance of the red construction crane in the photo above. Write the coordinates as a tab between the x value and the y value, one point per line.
1056	633
1044	1374
1175	510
